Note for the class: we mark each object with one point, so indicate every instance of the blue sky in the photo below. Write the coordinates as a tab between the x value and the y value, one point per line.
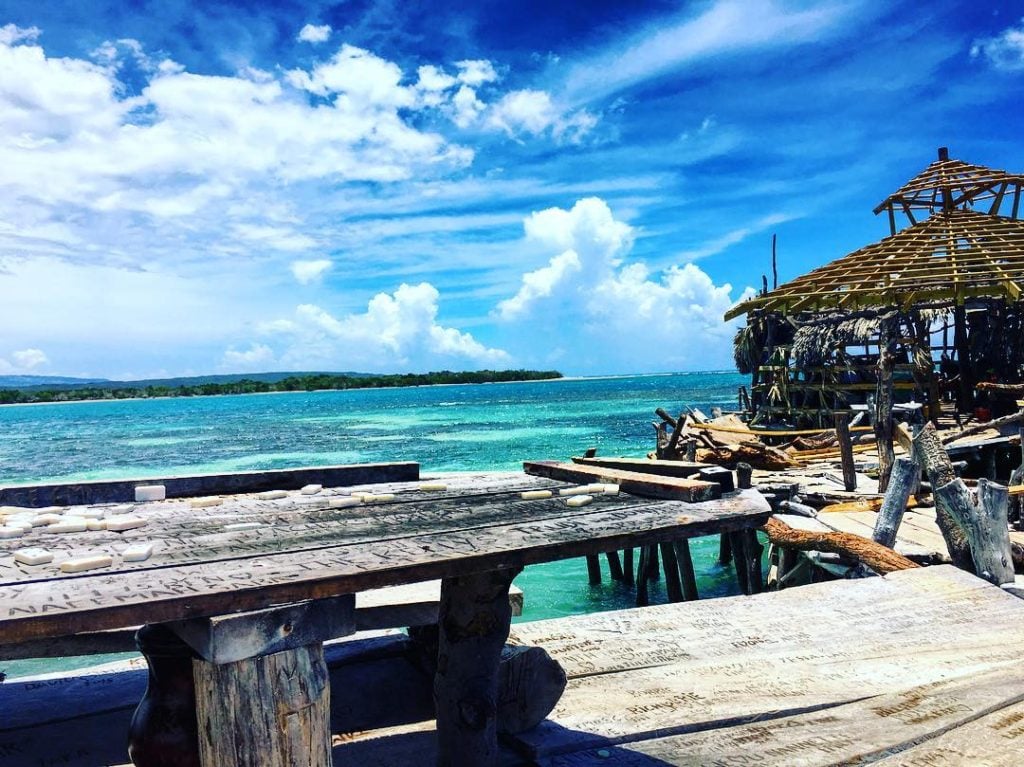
189	188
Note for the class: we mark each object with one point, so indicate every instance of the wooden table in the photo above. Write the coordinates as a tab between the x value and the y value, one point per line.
253	586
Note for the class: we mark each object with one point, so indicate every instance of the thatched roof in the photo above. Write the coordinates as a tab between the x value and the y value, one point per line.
951	256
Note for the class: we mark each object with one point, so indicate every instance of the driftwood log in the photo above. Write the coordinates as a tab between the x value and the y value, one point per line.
904	477
879	558
758	455
978	427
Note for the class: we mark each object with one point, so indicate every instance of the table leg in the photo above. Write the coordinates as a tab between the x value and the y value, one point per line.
473	625
268	711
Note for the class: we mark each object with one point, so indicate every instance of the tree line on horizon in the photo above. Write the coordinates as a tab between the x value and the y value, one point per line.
317	382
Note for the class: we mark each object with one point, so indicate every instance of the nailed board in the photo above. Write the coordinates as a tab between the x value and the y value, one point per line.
301	550
638	483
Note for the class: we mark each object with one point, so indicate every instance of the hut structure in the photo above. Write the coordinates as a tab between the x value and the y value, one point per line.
922	315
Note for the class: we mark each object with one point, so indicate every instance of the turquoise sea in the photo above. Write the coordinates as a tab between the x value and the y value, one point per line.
444	428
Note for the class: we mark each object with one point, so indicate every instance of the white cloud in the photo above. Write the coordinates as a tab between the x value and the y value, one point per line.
312	33
724	26
11	34
1005	51
476	72
256	357
23	362
734	236
466	107
614	314
397	331
310	271
534	112
276	237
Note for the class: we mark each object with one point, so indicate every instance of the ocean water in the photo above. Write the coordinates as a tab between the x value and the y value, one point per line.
444	428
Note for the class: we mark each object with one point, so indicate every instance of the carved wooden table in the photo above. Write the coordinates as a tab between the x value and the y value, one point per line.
252	586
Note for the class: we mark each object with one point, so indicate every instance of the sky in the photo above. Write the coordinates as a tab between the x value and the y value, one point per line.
391	186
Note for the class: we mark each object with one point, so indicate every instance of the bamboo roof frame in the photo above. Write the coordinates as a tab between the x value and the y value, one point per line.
952	256
948	184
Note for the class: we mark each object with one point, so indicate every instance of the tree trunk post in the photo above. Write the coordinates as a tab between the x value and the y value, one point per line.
842	424
643	562
627	566
593	570
724	549
737	542
744	472
614	566
686	574
473	623
901	484
983	516
673	586
929	453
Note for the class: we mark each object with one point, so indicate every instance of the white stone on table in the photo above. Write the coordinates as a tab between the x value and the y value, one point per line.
81	564
120	524
138	552
33	556
311	489
272	495
150	493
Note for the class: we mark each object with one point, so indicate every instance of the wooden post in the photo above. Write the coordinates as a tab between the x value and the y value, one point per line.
744	472
473	623
627	566
690	450
739	556
673	586
983	517
593	570
887	333
842	424
643	562
904	478
677	432
653	566
269	711
754	552
724	549
686	575
614	565
965	396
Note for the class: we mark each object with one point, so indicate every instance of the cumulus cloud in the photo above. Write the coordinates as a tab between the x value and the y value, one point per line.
11	34
310	271
312	33
1005	51
397	330
611	313
534	112
476	72
256	357
23	361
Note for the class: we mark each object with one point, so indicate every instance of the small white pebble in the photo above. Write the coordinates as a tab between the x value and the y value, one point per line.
81	564
202	503
272	495
311	489
611	489
95	524
579	500
10	531
138	552
534	495
150	493
243	526
433	487
574	490
33	556
69	525
344	502
120	524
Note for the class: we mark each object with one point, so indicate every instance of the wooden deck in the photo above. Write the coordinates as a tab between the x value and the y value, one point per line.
920	667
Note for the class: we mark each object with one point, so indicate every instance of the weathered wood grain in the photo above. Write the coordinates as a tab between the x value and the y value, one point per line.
123	491
660	467
98	601
633	482
269	711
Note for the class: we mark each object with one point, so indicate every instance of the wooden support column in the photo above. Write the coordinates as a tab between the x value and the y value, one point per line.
724	549
887	333
983	516
754	554
627	566
614	566
673	586
905	475
593	570
842	424
965	398
643	562
737	542
262	691
686	575
473	625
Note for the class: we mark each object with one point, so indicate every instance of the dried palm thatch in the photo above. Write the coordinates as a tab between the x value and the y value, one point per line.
748	345
816	343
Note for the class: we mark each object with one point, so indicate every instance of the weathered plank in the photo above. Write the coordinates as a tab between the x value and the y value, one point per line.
634	482
941	714
93	602
660	467
122	491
